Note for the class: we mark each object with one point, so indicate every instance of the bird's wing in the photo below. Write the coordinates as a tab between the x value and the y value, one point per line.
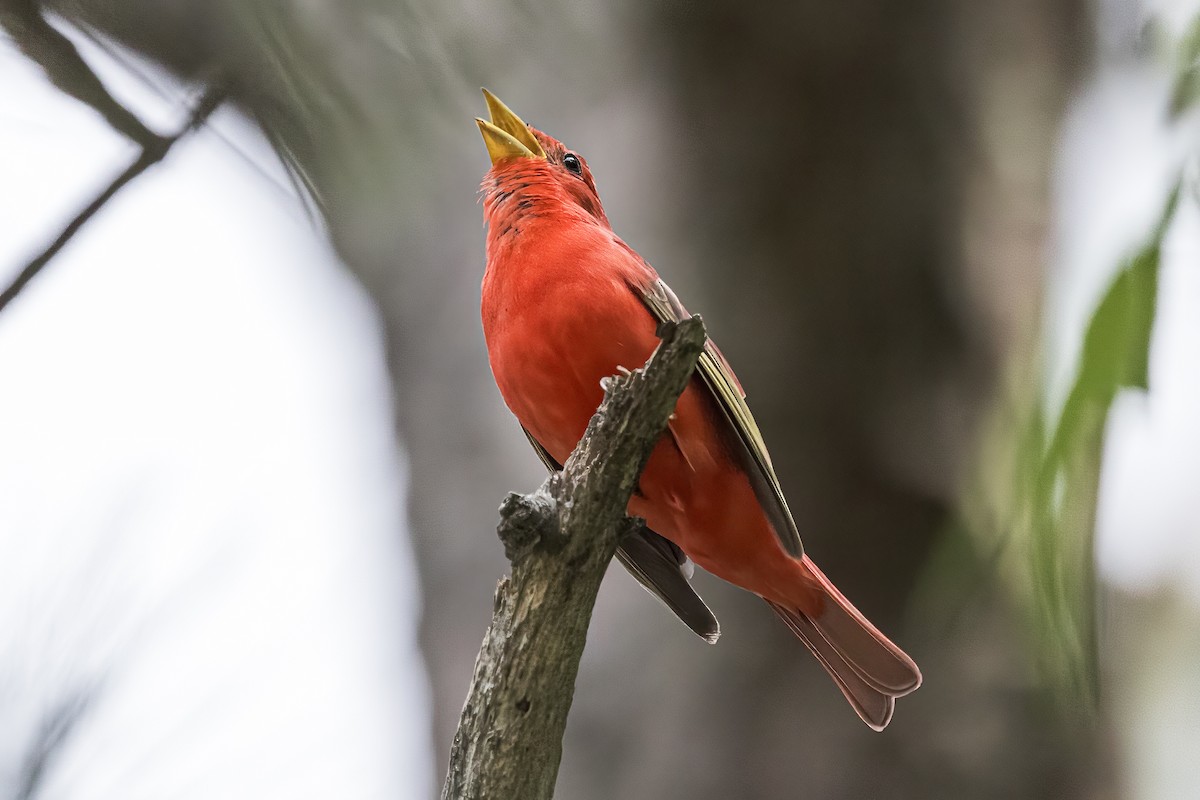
718	378
664	570
659	566
542	452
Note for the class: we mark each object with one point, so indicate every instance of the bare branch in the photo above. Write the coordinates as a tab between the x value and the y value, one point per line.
149	156
560	540
66	69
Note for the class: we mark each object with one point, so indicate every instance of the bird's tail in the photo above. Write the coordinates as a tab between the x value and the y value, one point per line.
870	670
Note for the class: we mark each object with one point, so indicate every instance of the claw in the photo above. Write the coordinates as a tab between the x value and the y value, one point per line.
624	370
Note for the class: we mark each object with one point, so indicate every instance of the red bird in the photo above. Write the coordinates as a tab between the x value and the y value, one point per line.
567	303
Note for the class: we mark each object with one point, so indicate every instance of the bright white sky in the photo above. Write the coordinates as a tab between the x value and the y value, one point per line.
201	500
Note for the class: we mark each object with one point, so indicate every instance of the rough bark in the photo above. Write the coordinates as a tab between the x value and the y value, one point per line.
560	540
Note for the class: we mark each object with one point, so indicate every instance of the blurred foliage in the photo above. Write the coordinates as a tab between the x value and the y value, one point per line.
1186	90
1058	469
1058	483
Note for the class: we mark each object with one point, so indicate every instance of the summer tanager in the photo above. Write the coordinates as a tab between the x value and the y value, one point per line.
567	303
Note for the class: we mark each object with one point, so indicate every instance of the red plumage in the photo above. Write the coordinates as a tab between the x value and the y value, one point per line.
564	305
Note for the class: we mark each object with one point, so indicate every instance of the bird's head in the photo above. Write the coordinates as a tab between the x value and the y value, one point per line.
532	172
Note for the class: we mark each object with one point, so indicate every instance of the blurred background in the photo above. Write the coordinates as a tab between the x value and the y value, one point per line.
251	451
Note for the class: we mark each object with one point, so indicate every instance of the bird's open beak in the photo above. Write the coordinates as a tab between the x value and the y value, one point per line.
507	136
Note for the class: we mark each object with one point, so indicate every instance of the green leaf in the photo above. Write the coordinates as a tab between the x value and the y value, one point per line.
1061	510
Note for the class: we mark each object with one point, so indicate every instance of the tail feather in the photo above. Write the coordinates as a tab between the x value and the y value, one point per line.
869	669
873	706
860	644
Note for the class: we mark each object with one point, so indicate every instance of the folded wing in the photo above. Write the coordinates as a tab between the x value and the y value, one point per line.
660	567
717	377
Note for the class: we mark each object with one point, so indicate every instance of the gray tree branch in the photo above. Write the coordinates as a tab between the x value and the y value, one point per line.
560	540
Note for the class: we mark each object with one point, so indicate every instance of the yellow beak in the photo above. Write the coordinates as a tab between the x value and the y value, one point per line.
507	136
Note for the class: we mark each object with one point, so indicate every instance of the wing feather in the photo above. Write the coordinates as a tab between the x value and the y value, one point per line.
718	378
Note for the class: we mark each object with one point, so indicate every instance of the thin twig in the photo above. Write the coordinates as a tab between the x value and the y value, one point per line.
149	156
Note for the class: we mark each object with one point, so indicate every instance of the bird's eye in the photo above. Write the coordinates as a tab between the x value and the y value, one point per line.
571	162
